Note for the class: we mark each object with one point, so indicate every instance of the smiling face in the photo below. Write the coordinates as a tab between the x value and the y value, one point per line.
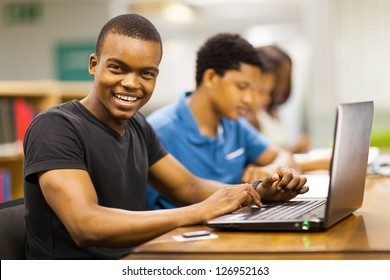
234	91
125	75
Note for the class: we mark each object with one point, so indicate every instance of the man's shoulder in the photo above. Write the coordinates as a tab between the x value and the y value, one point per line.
245	124
241	123
60	109
241	127
164	116
65	114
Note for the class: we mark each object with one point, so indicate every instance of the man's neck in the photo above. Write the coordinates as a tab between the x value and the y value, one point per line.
205	116
102	114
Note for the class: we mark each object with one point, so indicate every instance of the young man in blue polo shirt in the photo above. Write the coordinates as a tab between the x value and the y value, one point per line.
206	131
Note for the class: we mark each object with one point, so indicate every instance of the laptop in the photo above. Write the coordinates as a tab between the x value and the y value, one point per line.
347	174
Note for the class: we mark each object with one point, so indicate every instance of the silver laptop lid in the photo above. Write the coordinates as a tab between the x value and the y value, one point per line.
349	160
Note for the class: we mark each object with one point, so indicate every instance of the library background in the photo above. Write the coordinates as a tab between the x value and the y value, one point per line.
339	51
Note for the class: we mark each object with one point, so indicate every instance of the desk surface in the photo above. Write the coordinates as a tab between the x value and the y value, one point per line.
363	235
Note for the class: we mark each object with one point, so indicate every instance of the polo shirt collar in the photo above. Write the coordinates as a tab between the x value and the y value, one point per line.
191	127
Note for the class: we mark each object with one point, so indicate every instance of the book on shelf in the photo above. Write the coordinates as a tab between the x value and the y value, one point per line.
5	185
7	121
15	116
23	115
1	186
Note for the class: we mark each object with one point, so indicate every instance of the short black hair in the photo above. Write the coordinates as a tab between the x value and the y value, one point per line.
131	25
222	52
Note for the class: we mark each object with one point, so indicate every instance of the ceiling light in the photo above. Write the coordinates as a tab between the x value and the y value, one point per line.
178	13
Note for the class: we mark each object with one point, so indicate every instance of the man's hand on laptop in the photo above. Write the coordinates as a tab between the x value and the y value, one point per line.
226	200
284	184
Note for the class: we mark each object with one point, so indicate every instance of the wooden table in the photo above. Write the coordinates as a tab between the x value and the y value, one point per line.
363	235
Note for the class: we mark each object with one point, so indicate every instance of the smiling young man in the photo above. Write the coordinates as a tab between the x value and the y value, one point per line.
87	162
206	129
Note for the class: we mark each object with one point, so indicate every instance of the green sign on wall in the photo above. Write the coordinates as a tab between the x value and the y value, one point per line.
72	61
16	13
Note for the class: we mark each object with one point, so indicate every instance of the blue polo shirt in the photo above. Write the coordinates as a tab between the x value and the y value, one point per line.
222	158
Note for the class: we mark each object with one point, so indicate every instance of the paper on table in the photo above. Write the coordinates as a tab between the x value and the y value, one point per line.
318	184
314	154
180	238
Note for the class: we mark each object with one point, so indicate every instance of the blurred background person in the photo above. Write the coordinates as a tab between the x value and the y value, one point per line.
206	129
274	91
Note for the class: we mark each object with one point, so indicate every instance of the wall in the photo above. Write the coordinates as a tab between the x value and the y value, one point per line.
27	51
350	61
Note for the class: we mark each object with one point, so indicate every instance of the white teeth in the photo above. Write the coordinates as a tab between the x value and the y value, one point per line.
126	98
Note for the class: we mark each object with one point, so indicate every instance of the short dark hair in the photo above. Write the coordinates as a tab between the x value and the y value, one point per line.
131	25
222	52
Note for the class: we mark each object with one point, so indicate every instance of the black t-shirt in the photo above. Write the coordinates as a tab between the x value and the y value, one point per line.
68	136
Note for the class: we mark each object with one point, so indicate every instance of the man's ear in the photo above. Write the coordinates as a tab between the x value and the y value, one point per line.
93	61
210	78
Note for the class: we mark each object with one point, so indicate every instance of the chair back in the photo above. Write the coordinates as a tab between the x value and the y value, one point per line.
12	230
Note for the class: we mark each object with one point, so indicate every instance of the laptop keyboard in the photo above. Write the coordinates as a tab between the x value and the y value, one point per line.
285	211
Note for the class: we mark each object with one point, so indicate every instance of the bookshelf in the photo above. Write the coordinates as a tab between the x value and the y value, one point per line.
41	95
